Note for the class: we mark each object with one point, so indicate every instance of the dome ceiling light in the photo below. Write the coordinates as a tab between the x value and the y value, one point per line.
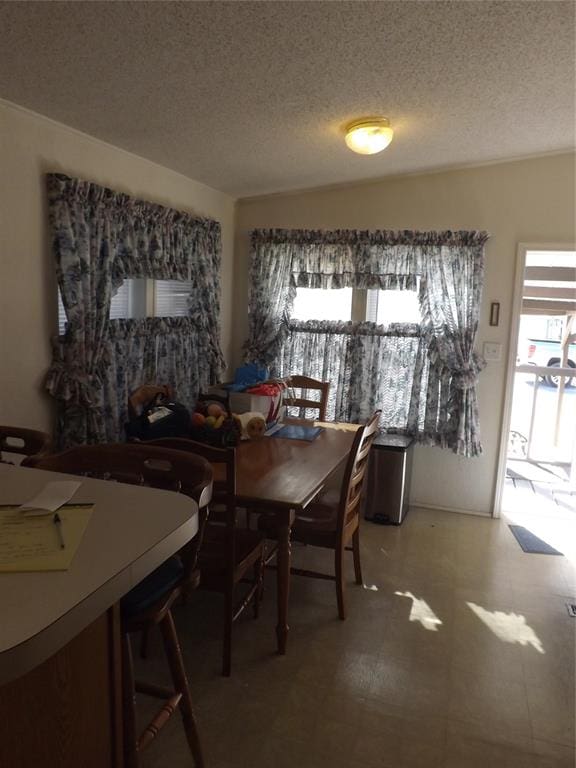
369	135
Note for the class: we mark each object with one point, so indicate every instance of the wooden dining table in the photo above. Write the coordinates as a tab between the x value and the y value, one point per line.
282	477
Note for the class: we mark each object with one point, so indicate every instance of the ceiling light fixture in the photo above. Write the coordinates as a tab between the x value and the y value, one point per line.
369	135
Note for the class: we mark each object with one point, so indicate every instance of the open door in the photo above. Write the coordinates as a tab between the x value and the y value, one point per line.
537	472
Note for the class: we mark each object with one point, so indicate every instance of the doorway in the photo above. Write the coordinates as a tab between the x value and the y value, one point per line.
537	469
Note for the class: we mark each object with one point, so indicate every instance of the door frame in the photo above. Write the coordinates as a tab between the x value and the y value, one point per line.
521	251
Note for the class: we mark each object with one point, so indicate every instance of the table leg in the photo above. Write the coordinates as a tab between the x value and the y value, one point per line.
283	575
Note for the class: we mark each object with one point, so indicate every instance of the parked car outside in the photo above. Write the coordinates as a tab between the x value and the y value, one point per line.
548	353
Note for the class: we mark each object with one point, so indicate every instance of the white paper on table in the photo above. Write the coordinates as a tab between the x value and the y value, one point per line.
51	497
273	429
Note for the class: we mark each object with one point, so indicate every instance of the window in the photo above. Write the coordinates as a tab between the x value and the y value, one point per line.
139	297
61	315
171	298
382	307
320	304
121	303
386	307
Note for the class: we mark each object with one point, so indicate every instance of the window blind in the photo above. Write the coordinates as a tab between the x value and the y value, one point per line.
171	298
372	306
120	305
61	315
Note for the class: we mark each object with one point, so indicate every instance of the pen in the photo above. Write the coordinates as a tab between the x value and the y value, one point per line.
58	523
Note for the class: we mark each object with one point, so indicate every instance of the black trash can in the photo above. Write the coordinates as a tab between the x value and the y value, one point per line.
387	485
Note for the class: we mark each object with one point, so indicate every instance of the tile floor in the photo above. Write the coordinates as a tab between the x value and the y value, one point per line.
458	652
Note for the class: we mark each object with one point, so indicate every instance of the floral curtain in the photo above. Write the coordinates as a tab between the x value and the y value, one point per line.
152	349
424	376
100	237
450	310
271	298
338	351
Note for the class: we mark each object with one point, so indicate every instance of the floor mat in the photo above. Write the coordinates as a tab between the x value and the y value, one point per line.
531	543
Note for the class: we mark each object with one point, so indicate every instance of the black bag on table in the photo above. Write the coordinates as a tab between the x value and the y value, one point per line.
161	417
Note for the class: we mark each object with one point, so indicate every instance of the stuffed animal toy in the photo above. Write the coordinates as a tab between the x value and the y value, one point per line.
253	424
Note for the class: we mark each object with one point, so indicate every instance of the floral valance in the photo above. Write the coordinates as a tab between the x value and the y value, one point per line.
146	239
357	237
350	328
378	259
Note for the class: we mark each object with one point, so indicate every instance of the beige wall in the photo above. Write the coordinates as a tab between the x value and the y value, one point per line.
31	146
524	201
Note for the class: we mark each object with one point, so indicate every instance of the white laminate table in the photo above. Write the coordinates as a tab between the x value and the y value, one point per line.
60	637
132	531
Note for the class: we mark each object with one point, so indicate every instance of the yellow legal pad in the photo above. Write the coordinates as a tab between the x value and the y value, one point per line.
33	544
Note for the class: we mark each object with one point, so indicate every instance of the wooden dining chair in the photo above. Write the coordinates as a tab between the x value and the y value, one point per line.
304	384
24	442
335	526
229	554
149	603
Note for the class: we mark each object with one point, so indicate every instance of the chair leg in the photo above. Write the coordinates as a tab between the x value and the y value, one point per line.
228	620
338	567
128	704
144	639
258	574
356	555
176	664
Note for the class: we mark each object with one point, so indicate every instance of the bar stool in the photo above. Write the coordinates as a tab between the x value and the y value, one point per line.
149	604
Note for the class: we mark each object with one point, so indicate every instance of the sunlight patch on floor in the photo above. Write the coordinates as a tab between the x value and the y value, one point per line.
421	612
509	627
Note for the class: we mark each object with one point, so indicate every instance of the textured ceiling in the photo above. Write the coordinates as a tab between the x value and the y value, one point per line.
251	97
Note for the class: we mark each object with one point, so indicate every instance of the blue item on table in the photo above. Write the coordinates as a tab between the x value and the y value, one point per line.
298	432
247	376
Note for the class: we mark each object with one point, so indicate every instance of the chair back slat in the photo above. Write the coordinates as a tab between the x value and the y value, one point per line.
353	481
25	442
305	384
141	464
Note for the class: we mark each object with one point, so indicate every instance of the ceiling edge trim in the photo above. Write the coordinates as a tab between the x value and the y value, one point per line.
392	176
